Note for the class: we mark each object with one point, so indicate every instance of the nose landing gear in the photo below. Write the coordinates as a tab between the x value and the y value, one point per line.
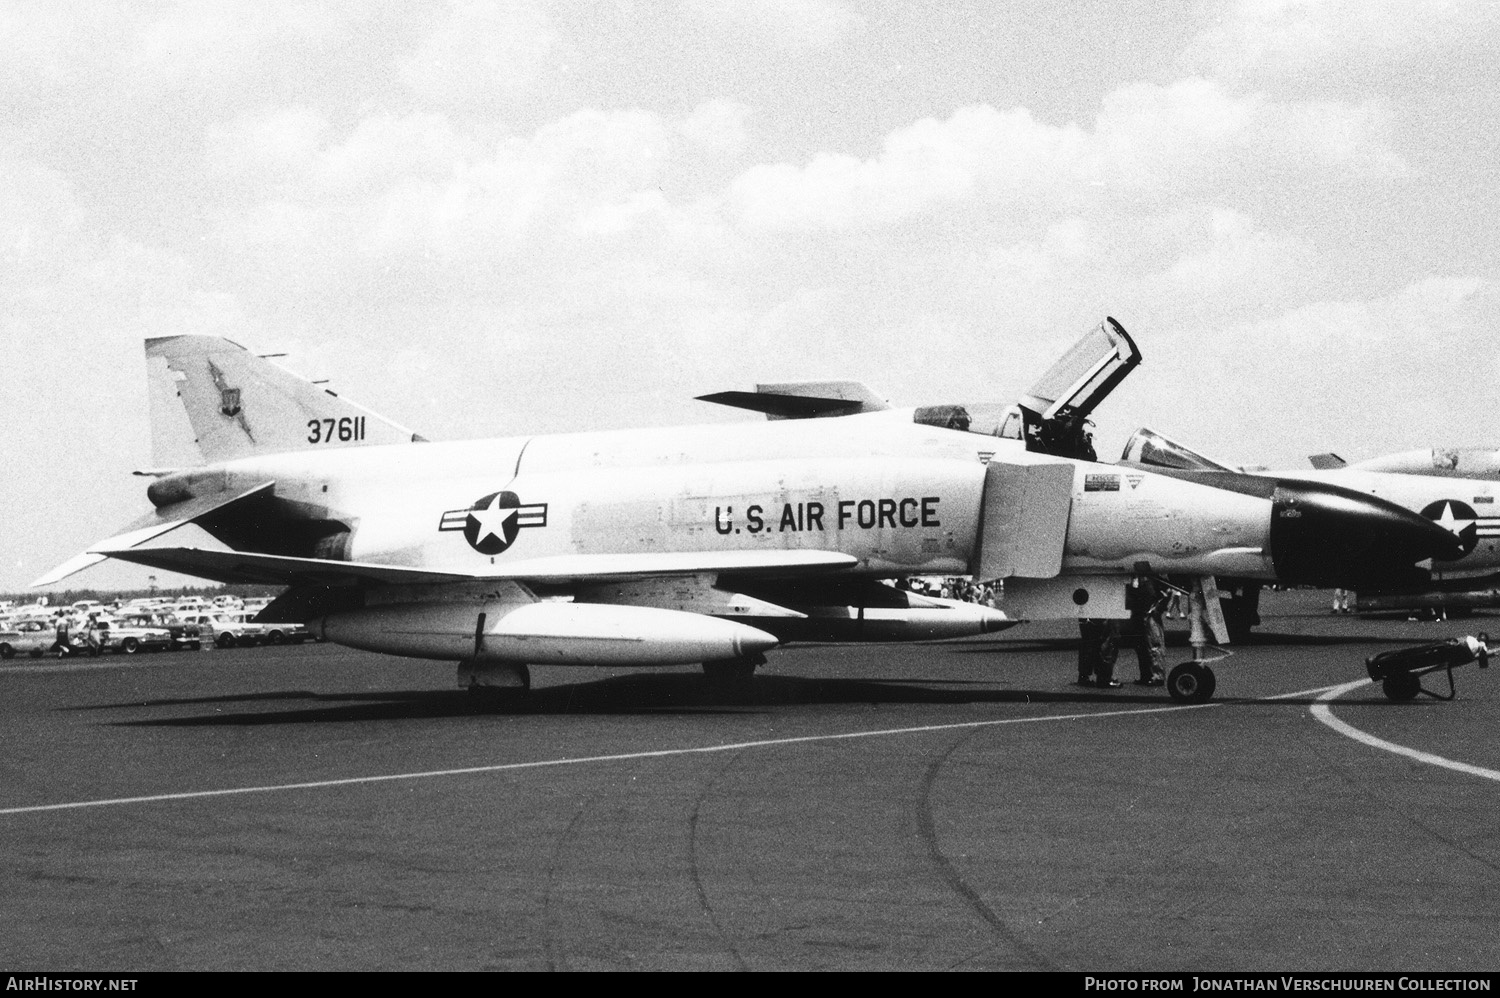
1191	682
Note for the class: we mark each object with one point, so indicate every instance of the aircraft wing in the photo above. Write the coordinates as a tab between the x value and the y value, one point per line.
247	566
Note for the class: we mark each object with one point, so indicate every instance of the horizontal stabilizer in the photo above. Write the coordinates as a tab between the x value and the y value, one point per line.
150	526
803	399
1327	462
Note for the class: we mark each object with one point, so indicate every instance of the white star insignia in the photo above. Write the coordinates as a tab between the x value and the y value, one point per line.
1451	523
493	520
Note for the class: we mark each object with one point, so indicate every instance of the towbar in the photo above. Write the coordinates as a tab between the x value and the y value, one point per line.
1400	672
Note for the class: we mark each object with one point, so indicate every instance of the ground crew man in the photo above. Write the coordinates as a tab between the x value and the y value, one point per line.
1147	634
1098	647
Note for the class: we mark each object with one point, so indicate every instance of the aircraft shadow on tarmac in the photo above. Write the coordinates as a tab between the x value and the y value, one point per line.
1258	639
642	695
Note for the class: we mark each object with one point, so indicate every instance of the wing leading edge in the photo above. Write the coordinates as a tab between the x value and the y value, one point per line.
248	566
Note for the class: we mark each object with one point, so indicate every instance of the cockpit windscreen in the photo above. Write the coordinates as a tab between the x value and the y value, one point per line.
991	419
1151	448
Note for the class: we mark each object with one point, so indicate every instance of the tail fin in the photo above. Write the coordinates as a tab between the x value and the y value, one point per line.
213	400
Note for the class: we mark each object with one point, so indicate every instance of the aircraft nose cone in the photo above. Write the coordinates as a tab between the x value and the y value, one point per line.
991	621
752	640
1326	535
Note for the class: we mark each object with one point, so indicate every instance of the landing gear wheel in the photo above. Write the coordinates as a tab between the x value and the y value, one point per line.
1401	686
732	670
494	681
1191	682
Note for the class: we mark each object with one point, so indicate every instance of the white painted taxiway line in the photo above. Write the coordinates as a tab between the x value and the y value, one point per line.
1321	711
623	757
581	760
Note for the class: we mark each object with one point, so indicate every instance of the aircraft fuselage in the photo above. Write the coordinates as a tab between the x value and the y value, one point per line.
899	498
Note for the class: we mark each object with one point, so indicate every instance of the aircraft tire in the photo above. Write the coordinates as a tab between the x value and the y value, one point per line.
732	670
1191	682
1401	687
522	686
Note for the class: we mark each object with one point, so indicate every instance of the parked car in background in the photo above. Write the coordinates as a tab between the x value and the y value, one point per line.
26	637
283	633
119	635
182	633
225	630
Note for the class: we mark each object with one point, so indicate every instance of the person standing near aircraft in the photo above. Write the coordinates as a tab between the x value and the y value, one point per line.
1148	634
1098	648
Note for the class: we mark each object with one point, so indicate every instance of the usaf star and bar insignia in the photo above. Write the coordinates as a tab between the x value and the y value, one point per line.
492	523
1463	522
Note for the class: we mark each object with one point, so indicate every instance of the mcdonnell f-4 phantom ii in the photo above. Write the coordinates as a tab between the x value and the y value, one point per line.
705	544
1475	583
1422	482
1438	462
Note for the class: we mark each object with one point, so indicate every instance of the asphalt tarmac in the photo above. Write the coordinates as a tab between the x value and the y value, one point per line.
953	805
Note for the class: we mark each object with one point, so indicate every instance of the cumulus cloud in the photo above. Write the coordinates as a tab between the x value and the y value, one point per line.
267	149
1339	37
418	188
1182	137
1327	374
719	127
1429	311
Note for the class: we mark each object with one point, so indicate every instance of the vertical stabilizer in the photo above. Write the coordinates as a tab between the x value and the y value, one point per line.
213	400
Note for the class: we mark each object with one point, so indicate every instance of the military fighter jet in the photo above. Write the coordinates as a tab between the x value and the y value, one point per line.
1438	462
1464	506
703	544
1455	595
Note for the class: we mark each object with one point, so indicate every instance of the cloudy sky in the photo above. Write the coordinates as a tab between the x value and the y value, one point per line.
492	217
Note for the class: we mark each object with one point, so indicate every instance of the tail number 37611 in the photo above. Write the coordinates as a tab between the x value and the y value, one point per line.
344	430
